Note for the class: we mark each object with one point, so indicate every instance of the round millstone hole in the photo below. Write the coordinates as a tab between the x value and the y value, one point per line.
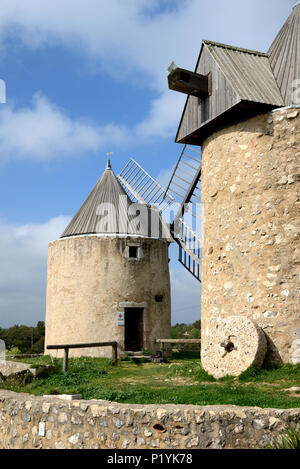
233	345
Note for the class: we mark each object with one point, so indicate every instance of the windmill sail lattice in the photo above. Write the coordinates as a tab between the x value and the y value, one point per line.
183	189
184	184
189	250
142	187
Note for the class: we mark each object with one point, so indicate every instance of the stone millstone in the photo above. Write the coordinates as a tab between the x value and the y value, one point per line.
232	346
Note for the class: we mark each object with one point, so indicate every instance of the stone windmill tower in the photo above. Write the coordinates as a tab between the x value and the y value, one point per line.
108	275
243	110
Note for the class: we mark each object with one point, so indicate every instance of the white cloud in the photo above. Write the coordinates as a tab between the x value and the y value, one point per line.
163	118
23	260
44	132
129	39
130	34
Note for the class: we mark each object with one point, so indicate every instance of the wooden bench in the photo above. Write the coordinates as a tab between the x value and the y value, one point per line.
66	348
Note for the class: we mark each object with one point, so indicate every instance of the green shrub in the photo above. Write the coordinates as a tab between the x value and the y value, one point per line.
14	351
271	373
250	374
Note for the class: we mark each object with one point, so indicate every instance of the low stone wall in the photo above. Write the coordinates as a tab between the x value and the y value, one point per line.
105	425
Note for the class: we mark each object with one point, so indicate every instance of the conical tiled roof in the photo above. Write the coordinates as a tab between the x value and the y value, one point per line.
109	210
284	56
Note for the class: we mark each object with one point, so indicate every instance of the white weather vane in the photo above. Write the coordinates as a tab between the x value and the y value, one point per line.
109	154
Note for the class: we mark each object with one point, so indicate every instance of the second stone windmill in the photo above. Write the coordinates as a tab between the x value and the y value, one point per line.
108	275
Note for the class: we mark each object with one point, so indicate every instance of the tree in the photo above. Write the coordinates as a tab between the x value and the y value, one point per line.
27	339
187	331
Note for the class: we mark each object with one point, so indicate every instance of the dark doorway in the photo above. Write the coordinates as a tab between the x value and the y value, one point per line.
133	329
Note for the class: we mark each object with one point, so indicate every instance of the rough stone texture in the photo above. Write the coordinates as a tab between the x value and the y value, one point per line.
251	254
16	373
90	279
250	347
8	368
106	425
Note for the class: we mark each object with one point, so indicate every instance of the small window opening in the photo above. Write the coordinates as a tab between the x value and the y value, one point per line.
133	252
159	298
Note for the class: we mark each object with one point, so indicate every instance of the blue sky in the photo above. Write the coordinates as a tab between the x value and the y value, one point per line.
84	78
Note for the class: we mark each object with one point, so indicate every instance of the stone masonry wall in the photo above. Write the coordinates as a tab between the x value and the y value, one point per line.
106	425
251	253
91	278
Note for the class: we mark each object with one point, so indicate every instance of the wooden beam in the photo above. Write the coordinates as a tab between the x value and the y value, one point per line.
94	344
190	83
66	360
66	348
178	341
115	354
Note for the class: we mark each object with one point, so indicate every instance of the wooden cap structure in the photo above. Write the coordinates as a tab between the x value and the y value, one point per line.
231	84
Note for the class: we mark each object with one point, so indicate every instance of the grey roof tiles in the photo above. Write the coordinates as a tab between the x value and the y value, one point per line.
109	210
284	56
248	72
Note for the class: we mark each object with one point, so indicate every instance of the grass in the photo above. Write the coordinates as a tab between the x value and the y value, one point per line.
288	439
181	381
